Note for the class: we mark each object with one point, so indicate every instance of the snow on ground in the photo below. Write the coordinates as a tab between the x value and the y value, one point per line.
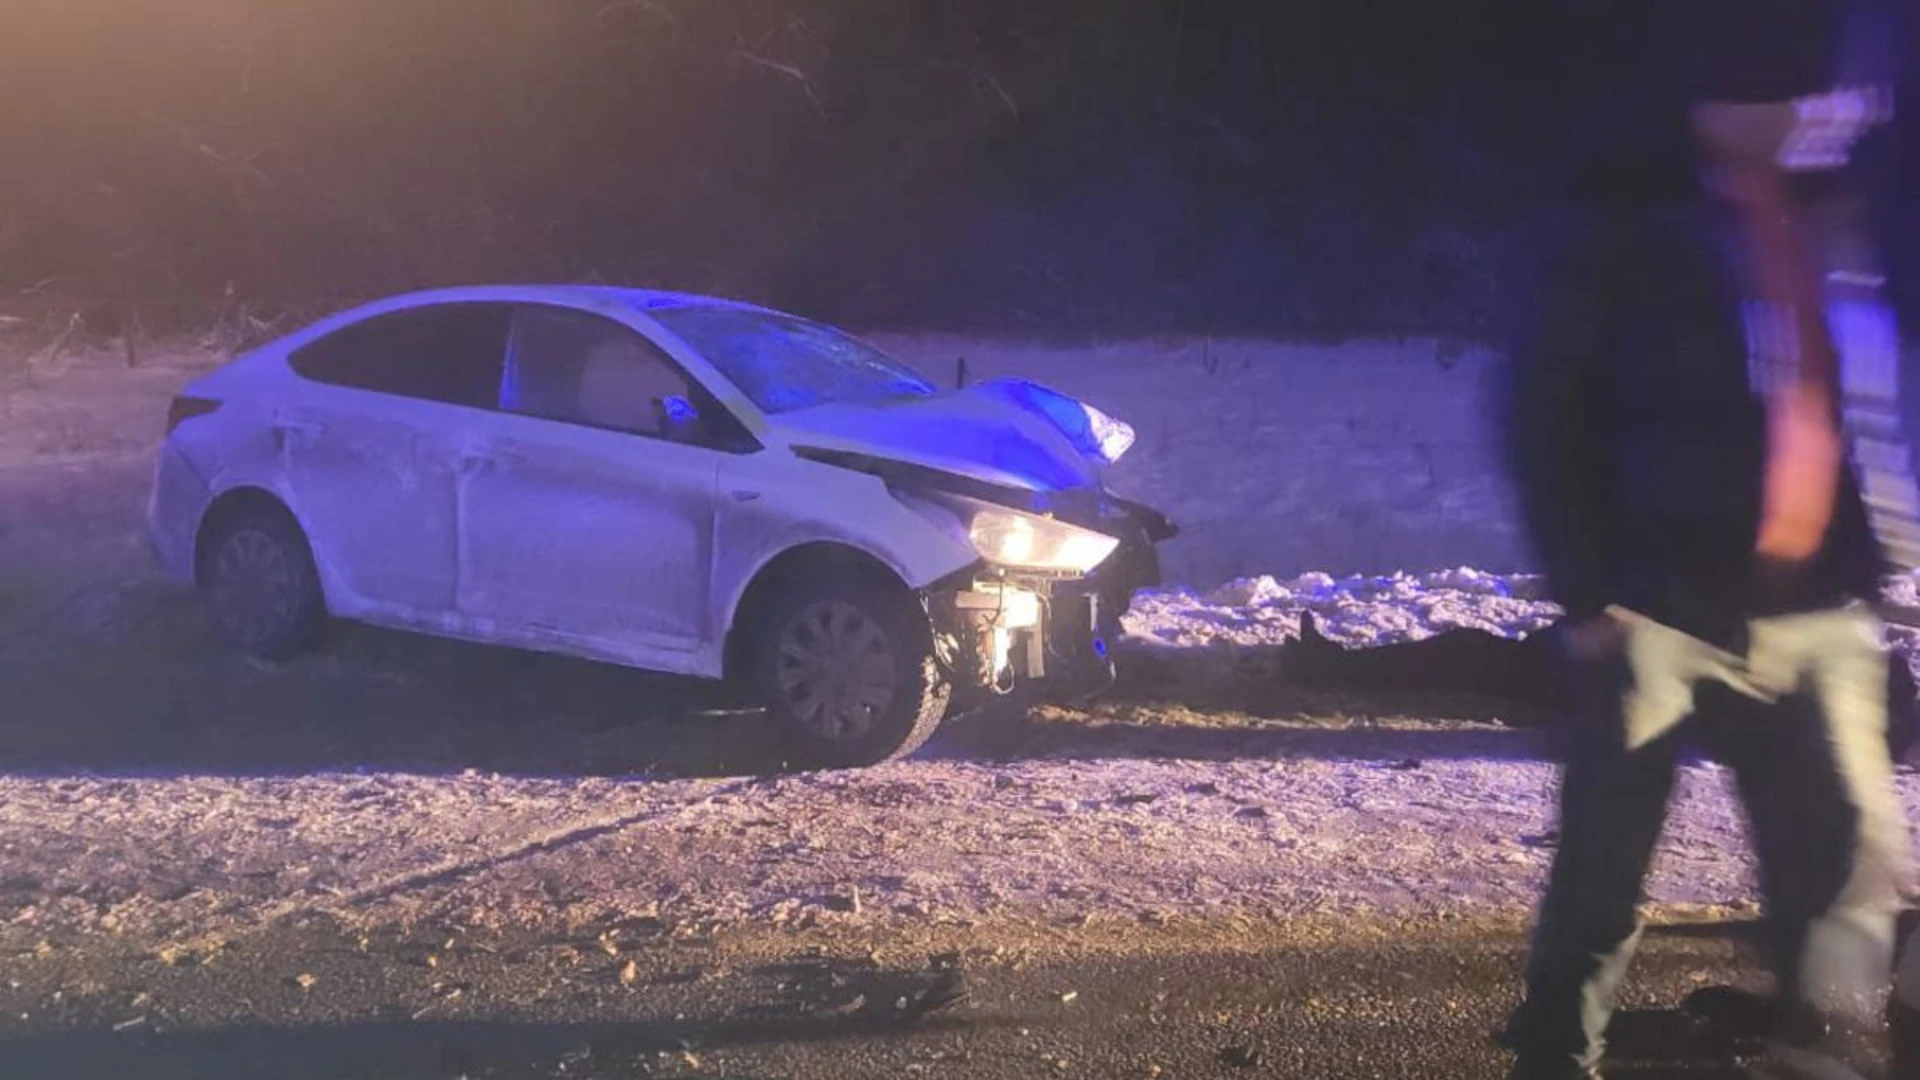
1209	633
1355	611
1281	806
1298	831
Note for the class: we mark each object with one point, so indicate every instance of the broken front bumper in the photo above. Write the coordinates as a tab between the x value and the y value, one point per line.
999	629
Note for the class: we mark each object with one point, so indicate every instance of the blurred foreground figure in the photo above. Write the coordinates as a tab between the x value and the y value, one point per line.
1675	426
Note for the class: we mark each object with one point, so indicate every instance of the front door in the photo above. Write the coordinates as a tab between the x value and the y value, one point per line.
582	524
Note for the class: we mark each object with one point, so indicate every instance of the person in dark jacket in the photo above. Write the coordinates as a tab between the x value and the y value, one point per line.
1673	428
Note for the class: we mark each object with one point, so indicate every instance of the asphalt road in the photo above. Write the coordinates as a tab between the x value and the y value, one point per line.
305	1003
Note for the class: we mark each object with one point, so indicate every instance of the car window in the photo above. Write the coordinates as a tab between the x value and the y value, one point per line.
585	369
445	352
783	364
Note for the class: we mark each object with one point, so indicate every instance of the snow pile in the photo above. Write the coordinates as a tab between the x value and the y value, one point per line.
1358	610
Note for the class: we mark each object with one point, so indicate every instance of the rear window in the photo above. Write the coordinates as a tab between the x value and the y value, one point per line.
450	353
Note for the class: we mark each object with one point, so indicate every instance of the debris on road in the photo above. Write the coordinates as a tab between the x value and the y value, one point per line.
1241	1055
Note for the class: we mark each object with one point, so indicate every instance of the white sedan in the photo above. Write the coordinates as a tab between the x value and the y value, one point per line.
665	481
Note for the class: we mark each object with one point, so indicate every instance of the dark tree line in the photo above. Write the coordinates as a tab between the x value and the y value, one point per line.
1059	166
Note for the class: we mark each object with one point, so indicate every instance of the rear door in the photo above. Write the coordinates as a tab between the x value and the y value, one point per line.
587	518
369	449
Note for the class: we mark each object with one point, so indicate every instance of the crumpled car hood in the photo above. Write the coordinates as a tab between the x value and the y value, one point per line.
995	431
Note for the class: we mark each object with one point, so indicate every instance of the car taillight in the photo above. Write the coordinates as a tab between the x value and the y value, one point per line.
185	408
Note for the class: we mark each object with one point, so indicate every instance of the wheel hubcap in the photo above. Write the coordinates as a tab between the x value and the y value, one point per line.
835	671
254	592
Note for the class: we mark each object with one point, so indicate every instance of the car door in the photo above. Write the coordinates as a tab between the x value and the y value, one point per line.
368	454
582	522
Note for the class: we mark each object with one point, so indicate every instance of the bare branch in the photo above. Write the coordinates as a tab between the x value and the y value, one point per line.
651	7
791	72
987	79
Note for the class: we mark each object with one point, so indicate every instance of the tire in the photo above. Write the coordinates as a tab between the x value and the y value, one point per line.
258	584
847	672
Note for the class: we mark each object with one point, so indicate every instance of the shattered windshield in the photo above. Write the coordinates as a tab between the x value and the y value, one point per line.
784	364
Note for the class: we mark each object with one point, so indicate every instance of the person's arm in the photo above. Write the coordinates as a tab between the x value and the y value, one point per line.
1764	108
1804	449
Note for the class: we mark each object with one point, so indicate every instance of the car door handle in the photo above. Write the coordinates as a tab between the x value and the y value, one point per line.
742	495
486	460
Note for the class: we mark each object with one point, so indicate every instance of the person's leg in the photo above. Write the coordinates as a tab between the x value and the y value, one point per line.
1612	806
1797	811
1855	855
1849	945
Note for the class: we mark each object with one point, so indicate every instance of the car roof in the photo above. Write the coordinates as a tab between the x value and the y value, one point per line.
645	299
587	296
265	360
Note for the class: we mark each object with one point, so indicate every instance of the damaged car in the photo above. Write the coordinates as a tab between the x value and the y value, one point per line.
665	481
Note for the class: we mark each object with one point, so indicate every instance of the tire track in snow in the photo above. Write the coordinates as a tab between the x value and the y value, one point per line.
457	868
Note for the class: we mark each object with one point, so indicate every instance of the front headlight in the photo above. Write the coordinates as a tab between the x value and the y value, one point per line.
1030	542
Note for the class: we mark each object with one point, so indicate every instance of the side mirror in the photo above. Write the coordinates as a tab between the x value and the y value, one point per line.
679	417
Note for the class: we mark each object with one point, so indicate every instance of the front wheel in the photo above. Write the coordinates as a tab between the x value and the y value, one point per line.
848	673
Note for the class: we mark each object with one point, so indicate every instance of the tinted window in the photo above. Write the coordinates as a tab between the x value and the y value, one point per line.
447	352
585	369
783	363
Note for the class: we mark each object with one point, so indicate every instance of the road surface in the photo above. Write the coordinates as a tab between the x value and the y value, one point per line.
314	1001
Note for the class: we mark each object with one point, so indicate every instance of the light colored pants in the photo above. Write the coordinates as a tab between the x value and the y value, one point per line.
1837	658
1817	779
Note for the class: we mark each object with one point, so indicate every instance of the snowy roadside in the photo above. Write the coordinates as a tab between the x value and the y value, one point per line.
1300	833
1276	806
1137	812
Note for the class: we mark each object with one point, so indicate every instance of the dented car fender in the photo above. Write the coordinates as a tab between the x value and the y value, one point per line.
774	503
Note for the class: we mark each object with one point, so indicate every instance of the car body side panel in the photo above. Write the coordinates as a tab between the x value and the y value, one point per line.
174	508
203	458
577	533
372	481
773	502
235	448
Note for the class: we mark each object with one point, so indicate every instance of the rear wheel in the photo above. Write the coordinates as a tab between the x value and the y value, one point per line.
259	585
848	673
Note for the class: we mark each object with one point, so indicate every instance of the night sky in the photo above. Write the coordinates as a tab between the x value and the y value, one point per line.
1072	167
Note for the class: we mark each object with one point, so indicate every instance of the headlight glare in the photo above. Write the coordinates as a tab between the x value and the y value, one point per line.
1028	541
1114	437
